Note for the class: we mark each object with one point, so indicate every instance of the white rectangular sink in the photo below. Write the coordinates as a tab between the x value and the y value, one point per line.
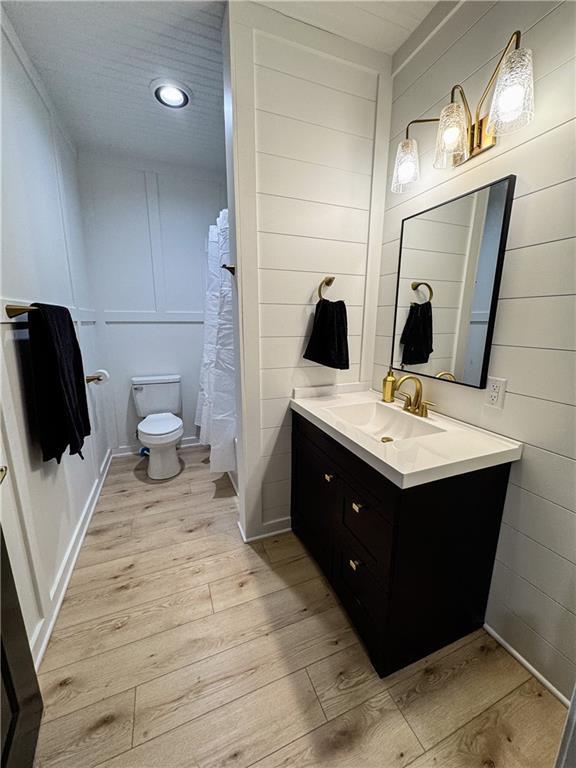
421	449
380	421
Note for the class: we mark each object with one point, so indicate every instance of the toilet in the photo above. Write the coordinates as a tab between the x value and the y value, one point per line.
158	399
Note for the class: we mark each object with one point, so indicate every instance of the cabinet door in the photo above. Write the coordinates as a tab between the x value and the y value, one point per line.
316	500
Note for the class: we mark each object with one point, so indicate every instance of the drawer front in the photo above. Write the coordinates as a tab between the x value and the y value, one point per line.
364	521
354	574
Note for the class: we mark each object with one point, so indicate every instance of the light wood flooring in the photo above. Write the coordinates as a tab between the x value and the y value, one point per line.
179	646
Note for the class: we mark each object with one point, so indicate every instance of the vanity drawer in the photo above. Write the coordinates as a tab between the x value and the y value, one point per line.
363	596
363	519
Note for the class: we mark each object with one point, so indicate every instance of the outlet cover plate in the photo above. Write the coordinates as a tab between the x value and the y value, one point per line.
495	391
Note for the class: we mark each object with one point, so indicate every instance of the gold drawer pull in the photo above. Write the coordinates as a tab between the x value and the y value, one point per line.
357	507
328	478
354	564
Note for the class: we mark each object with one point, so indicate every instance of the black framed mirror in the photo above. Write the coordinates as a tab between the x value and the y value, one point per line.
449	269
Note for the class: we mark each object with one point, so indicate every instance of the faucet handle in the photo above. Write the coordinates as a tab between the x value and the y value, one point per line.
424	407
407	399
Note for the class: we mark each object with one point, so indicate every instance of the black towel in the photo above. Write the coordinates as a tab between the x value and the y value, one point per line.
417	334
328	343
59	384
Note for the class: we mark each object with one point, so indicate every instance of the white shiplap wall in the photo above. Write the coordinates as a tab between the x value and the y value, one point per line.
533	598
311	124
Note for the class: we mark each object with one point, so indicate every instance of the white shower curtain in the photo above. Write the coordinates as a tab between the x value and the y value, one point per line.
216	410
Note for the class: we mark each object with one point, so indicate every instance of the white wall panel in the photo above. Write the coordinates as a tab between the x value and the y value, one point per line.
186	205
276	467
288	137
34	267
532	600
542	520
311	122
46	506
302	62
547	269
310	181
543	568
520	365
291	287
547	617
547	474
541	321
291	96
118	220
311	254
275	412
308	219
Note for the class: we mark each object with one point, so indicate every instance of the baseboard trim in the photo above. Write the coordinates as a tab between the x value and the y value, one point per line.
233	482
519	658
133	450
260	536
44	633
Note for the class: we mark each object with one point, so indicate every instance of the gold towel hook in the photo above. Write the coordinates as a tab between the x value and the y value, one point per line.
328	280
15	310
415	285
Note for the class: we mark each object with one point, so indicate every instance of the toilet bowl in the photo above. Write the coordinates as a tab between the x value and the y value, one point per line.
158	399
161	433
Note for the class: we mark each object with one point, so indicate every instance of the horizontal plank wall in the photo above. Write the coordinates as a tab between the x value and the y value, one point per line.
311	124
533	598
46	506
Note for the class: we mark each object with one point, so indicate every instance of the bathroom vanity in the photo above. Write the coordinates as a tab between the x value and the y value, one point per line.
405	530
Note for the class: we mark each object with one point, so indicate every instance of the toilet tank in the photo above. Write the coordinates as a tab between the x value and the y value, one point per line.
157	394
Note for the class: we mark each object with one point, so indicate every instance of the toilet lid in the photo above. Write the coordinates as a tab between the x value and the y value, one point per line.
160	424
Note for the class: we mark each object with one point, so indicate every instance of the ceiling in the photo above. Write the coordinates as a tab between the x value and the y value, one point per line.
97	60
375	23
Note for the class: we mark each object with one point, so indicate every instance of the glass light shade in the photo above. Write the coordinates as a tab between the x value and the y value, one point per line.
452	137
513	101
407	166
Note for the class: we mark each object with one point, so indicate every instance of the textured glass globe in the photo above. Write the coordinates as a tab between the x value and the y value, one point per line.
452	137
407	166
513	101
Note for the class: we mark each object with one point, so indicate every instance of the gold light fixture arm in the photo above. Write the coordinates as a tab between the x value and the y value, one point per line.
458	88
515	38
421	120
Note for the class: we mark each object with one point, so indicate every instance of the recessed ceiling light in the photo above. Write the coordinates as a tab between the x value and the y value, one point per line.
170	93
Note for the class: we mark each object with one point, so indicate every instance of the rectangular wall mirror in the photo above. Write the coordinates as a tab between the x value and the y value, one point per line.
449	270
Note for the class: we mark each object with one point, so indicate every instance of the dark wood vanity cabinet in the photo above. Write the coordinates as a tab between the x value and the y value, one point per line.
412	567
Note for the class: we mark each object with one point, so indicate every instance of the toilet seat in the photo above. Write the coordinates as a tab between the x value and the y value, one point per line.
159	424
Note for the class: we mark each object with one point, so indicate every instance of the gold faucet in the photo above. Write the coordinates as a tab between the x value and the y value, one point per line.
416	404
446	375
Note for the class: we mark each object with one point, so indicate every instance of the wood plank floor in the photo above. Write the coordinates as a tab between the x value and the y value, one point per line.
179	646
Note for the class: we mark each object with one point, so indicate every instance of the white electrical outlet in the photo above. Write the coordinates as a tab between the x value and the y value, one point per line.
495	391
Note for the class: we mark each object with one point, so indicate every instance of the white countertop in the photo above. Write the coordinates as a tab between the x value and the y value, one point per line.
453	449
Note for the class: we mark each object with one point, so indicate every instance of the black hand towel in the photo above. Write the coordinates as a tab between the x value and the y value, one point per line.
328	343
59	384
417	334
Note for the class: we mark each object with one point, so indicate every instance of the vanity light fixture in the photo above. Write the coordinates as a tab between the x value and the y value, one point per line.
458	138
170	93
